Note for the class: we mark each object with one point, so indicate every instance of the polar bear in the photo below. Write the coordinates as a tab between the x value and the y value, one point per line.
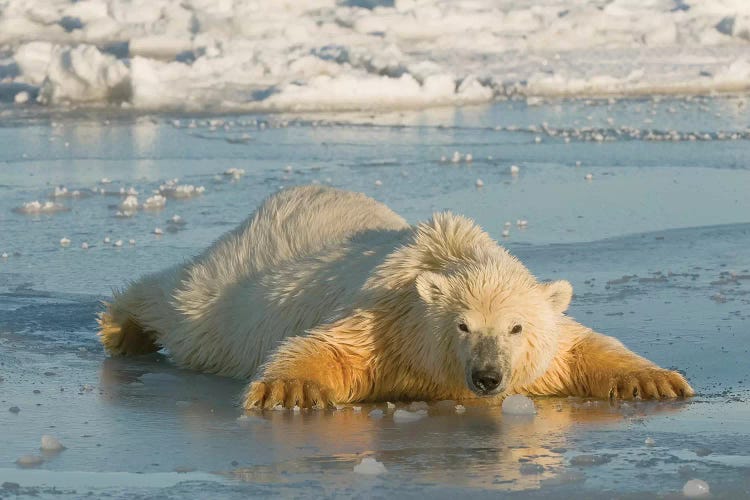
327	296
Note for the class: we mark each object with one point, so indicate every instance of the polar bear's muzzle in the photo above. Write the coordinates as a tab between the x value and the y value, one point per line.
486	371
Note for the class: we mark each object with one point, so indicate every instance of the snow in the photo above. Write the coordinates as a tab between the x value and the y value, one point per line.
328	55
51	443
402	416
370	466
518	404
696	488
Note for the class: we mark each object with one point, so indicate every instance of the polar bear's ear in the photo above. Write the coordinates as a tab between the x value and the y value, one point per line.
432	287
559	293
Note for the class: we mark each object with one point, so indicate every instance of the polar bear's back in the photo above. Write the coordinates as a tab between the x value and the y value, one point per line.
293	224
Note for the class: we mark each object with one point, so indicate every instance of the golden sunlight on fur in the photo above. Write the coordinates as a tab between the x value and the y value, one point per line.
327	296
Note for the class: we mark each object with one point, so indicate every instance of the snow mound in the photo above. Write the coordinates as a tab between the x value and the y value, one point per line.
370	466
518	404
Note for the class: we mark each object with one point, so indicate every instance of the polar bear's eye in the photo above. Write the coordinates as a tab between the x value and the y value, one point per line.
463	327
516	329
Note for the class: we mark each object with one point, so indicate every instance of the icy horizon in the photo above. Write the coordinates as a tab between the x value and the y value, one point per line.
323	55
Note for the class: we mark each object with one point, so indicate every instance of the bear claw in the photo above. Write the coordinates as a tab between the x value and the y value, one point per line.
288	393
649	384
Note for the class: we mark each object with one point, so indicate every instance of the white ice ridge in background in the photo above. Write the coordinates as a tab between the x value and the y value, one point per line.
272	55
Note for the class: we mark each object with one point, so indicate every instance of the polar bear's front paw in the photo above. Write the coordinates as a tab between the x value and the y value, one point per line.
268	394
650	383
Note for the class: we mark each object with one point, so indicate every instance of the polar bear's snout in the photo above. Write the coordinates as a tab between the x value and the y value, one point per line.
486	371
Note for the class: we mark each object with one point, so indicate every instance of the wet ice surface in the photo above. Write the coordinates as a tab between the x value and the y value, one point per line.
655	246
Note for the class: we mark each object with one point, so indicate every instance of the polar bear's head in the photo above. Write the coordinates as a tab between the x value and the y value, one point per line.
494	321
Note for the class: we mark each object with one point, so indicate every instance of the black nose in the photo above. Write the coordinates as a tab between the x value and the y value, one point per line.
486	380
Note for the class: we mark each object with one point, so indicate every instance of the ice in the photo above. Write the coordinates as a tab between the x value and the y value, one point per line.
51	443
235	173
514	169
64	242
401	416
479	183
376	413
418	405
118	243
390	405
156	202
649	441
21	97
589	177
505	233
518	404
84	246
29	461
37	207
460	408
696	488
370	466
158	231
172	189
129	204
356	409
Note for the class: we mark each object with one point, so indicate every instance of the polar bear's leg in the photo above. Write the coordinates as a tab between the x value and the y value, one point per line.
314	371
592	364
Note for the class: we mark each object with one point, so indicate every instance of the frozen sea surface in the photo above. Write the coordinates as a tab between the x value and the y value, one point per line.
655	244
282	55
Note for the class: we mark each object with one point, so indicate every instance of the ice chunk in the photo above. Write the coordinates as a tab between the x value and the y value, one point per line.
29	461
356	409
649	441
370	466
21	97
36	207
514	170
400	416
156	202
589	177
390	405
64	242
235	173
460	408
479	183
418	405
85	246
51	443
158	231
129	204
376	413
518	404
696	488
